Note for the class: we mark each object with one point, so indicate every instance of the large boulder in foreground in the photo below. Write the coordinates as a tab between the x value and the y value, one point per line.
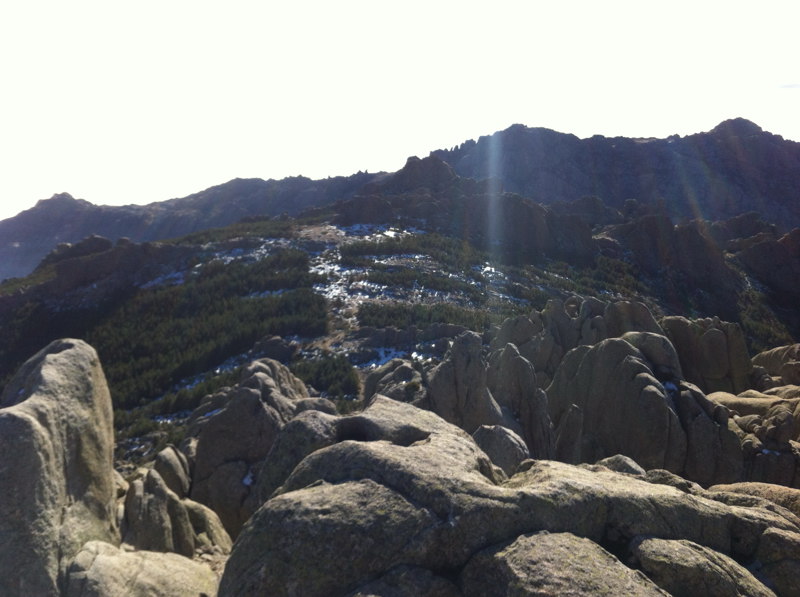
57	486
403	489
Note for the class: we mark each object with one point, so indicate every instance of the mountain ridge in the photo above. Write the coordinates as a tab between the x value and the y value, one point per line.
735	168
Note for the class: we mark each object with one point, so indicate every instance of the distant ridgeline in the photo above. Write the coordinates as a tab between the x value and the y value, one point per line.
735	168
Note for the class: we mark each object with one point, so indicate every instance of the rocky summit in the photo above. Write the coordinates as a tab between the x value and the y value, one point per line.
421	383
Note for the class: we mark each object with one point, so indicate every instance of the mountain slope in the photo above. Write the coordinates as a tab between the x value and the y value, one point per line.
735	168
26	238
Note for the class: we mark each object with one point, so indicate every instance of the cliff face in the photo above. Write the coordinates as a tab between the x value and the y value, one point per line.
737	167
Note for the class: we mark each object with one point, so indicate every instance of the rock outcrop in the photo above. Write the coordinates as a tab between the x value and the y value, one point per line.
504	447
101	570
713	353
397	379
769	433
57	488
684	568
607	399
402	496
552	564
457	389
782	362
232	432
623	408
513	384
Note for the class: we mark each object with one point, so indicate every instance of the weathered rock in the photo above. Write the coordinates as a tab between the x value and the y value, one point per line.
664	477
713	449
57	487
629	316
235	437
786	497
504	447
172	466
155	519
102	570
779	557
276	348
207	527
774	263
457	389
303	435
768	430
517	330
659	352
630	411
713	354
408	581
622	464
512	382
551	564
670	425
782	362
404	488
396	379
685	569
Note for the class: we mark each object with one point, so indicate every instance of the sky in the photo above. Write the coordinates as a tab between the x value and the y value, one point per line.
134	102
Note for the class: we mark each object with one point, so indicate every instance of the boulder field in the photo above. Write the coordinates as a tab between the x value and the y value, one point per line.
583	449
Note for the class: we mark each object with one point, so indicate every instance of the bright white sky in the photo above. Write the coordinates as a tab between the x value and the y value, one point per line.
133	102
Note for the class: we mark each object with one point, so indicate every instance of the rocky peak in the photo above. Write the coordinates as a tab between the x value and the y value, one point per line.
431	172
736	127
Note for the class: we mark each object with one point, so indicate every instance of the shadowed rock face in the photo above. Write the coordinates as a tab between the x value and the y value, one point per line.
403	494
57	487
713	353
735	168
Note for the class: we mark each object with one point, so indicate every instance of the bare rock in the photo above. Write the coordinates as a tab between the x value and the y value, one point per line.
402	487
786	497
235	436
396	379
457	389
513	384
622	464
57	485
629	316
713	353
207	527
629	410
683	568
173	467
551	564
783	362
659	352
308	432
408	581
504	447
101	570
155	518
